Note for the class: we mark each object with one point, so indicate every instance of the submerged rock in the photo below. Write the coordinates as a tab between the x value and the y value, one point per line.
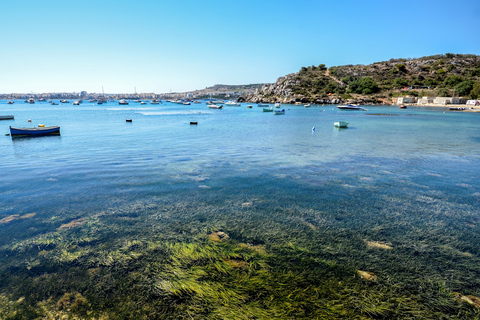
369	276
218	236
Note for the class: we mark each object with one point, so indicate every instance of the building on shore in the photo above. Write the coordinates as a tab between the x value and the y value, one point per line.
449	100
473	102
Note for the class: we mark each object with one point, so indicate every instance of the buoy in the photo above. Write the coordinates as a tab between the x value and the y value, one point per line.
41	125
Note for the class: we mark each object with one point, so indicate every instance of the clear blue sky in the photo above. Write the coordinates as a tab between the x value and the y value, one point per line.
181	45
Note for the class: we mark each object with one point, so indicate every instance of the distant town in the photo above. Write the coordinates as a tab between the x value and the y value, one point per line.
218	91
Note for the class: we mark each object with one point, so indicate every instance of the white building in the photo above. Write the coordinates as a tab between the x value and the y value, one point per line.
473	102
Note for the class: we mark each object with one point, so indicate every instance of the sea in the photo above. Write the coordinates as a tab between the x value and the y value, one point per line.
403	178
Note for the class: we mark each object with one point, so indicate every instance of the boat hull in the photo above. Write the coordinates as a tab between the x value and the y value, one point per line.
341	124
7	117
351	107
35	131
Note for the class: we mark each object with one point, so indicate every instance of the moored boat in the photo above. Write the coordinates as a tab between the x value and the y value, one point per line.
10	102
214	106
351	107
279	112
341	124
8	117
122	102
268	109
35	131
232	104
261	105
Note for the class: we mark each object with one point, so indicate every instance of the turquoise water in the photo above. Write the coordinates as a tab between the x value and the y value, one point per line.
392	173
100	156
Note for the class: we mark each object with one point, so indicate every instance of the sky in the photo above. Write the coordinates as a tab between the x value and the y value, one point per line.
156	46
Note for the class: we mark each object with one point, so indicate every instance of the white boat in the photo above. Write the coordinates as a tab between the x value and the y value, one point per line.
307	105
279	112
277	105
351	107
143	102
10	102
122	102
341	124
214	106
232	104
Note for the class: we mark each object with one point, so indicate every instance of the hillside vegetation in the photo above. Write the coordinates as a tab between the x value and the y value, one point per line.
440	75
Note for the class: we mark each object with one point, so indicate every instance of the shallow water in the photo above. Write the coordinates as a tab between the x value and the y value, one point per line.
393	173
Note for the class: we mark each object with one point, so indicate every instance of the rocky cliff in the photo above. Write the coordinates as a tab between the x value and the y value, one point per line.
439	75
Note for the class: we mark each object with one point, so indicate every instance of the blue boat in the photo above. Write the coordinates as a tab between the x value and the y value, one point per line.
35	131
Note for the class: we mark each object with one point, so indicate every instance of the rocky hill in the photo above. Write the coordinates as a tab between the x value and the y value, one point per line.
440	75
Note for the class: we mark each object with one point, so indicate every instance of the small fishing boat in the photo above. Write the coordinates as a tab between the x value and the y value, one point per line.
128	120
403	107
122	102
215	101
7	117
214	106
154	102
279	112
263	105
76	103
307	105
10	102
351	107
193	122
35	131
64	101
143	102
341	124
277	105
268	109
232	104
249	107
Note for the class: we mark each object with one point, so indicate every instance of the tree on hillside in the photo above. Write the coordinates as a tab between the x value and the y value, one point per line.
365	85
475	93
400	83
464	88
452	81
